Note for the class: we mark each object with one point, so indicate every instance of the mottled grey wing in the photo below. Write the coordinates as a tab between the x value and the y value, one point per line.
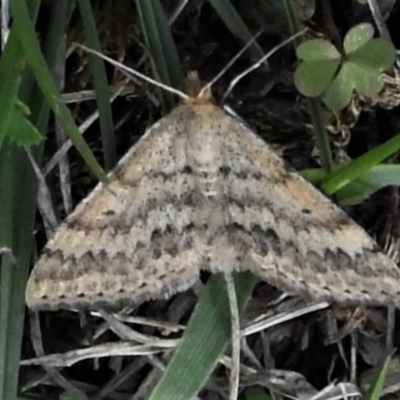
128	241
294	237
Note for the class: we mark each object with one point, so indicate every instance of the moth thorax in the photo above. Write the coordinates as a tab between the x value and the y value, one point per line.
209	184
206	163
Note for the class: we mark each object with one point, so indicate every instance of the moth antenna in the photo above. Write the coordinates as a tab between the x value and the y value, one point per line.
130	71
260	62
227	66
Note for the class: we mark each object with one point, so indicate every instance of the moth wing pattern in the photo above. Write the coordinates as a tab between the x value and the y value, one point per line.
200	190
125	243
298	239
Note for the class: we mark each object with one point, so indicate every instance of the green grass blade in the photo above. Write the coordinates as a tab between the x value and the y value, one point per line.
18	206
26	34
60	15
293	19
373	180
11	66
161	46
374	392
235	24
321	134
359	166
168	45
100	85
14	266
362	187
8	356
206	337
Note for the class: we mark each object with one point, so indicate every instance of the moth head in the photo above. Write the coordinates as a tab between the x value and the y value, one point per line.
196	89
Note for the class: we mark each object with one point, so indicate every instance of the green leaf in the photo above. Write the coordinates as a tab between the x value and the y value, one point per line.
339	93
317	50
377	54
357	37
312	78
22	107
365	82
352	77
21	131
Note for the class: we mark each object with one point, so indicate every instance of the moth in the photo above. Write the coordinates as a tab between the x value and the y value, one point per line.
201	191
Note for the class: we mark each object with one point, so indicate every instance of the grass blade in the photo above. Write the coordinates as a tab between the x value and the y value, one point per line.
100	85
16	222
374	392
362	187
359	166
206	337
235	24
26	34
11	66
161	46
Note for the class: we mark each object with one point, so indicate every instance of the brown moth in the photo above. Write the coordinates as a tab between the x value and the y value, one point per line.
201	191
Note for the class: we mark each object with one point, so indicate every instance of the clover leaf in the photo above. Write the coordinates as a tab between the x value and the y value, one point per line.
320	63
323	71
